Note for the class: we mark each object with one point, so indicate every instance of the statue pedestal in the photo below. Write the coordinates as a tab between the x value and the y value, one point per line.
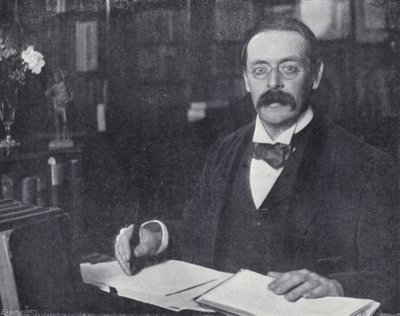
61	143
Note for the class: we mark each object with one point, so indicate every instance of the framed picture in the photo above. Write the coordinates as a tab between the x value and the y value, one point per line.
56	6
370	21
86	48
328	19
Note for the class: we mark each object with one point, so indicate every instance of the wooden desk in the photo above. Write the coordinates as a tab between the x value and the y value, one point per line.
117	304
8	287
27	176
99	302
12	215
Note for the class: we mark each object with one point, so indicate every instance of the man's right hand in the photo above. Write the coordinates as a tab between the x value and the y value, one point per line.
122	248
153	241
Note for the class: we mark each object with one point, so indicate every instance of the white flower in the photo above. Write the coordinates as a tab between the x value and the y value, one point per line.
33	59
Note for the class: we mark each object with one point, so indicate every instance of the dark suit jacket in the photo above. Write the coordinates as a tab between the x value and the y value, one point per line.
343	211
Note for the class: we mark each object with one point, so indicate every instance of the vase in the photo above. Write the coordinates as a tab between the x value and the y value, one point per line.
8	104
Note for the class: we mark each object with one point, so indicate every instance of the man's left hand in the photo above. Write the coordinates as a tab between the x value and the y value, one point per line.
303	283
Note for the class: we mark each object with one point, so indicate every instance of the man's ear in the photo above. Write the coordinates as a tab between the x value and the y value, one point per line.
246	81
317	73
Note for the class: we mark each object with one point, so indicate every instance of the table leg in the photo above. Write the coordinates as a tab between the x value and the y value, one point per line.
8	287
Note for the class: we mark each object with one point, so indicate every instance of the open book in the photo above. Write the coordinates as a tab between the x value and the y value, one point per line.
246	294
178	285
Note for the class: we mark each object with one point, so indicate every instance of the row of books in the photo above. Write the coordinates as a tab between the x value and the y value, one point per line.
14	212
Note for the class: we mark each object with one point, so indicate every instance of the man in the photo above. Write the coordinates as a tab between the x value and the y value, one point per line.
292	195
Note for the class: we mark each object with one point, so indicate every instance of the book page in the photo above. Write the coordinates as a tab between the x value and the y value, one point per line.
246	293
333	306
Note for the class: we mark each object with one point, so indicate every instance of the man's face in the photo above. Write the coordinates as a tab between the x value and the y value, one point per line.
272	56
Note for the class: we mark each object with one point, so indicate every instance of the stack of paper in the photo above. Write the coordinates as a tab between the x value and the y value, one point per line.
172	284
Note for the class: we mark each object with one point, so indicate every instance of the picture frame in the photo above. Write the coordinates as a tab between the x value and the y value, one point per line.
370	22
86	46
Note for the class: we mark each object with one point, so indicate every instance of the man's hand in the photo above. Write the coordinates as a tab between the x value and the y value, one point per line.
303	283
153	241
122	248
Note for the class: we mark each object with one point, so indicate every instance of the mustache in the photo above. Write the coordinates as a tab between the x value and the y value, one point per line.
276	96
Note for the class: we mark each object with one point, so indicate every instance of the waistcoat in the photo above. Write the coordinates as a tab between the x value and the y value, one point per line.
259	239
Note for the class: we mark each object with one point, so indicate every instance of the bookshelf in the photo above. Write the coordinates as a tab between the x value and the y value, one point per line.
160	42
159	56
228	22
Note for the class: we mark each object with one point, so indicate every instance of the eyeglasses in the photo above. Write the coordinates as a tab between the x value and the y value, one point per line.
288	70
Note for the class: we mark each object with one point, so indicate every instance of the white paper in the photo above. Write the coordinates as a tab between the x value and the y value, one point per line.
247	294
172	284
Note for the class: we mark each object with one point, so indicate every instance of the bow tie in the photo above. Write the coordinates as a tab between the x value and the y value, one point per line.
274	154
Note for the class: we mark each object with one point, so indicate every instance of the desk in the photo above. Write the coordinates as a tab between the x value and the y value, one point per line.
109	274
27	176
36	268
8	287
100	302
12	215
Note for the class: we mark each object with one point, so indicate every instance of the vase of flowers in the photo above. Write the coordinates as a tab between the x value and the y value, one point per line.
8	105
15	67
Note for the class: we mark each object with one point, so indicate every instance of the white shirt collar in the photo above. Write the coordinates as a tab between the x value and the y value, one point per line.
261	135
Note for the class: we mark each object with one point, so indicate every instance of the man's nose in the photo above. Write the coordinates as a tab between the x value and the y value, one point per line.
274	79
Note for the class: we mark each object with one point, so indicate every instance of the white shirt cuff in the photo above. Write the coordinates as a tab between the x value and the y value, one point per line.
164	235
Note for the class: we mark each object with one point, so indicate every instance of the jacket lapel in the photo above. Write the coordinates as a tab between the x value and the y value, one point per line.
314	174
226	169
221	182
283	188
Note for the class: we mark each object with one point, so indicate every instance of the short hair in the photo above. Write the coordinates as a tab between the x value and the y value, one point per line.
290	25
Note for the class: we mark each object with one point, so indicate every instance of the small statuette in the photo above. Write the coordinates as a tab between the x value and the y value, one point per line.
61	96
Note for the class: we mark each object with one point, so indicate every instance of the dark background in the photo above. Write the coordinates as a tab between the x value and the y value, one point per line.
159	56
